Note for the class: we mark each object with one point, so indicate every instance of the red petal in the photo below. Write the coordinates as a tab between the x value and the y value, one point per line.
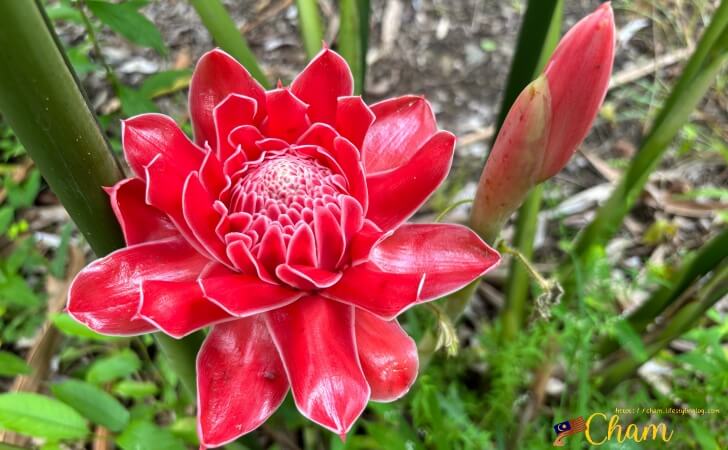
105	295
287	117
449	255
164	192
315	338
349	159
402	126
411	184
240	381
388	356
178	307
145	136
202	217
232	112
216	76
272	250
362	242
381	293
329	238
246	136
353	119
302	248
244	295
212	175
320	134
139	221
326	78
306	278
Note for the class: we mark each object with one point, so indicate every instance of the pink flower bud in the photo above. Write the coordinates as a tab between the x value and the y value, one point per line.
515	161
578	75
548	121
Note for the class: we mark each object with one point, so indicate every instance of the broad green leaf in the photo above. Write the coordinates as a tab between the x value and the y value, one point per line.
70	327
14	290
93	403
113	367
164	82
134	102
135	389
147	436
64	12
23	195
12	365
40	416
124	19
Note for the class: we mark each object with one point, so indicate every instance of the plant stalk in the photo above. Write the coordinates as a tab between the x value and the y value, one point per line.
310	23
43	102
227	35
706	259
699	72
350	41
682	321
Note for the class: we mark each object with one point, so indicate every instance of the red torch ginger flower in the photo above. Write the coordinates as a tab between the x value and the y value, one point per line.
283	225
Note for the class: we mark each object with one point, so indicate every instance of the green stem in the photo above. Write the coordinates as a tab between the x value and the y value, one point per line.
43	102
350	42
91	32
310	23
363	8
702	262
541	22
682	321
226	34
518	283
178	351
699	73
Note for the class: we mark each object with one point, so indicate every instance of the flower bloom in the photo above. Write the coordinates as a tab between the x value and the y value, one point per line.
283	226
548	120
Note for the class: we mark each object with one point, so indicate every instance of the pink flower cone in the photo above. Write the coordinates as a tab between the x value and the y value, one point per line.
283	225
548	121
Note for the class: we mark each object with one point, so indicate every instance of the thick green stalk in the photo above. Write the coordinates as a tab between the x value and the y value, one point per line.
518	283
350	41
682	321
541	21
183	355
537	38
42	102
364	10
699	73
310	23
226	34
41	99
706	259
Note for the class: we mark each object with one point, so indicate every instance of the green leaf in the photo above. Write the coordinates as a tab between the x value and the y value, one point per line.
93	403
147	436
135	389
57	266
630	340
23	195
7	215
113	367
68	326
164	82
12	365
14	290
40	416
134	102
124	19
185	428
63	12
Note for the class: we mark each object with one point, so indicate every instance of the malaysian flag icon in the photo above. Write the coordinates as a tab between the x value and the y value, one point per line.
567	428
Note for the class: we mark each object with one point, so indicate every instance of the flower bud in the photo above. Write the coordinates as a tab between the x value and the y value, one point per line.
548	120
515	160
